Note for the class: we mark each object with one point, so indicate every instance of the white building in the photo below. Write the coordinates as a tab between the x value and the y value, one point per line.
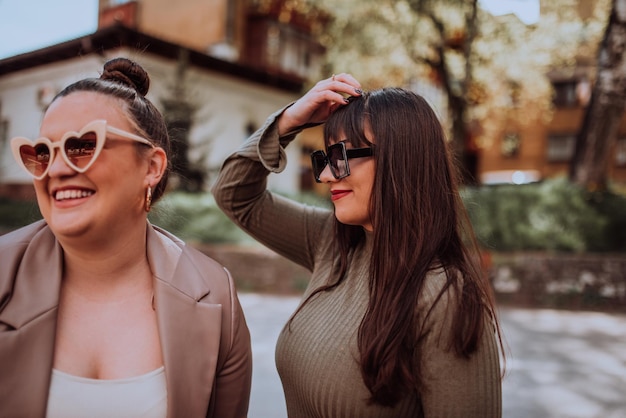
231	100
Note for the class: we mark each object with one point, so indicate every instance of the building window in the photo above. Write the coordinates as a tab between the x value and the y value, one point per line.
251	128
4	140
620	152
572	93
4	128
565	93
307	182
561	147
281	41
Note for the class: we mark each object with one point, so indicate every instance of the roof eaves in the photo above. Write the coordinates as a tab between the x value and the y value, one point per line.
121	36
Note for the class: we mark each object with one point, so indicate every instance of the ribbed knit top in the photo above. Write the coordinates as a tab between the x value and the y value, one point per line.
317	354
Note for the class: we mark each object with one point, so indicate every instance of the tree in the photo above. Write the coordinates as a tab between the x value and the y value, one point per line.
178	113
399	42
605	111
492	70
454	41
477	61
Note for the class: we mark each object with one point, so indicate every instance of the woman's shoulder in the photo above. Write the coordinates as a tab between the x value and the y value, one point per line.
33	247
187	268
16	242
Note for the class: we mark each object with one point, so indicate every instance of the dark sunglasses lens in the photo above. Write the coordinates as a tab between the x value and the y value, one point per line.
35	159
318	162
80	151
337	160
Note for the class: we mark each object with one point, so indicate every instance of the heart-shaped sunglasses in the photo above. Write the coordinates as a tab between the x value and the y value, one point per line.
78	149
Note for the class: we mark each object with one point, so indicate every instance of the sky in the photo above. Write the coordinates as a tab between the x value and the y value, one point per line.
526	10
27	25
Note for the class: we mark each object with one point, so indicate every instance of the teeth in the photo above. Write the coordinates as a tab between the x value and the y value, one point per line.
72	194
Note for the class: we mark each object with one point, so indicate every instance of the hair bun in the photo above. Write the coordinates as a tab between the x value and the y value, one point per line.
125	71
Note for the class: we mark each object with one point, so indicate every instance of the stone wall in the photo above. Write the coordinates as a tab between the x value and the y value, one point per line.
257	269
569	281
535	280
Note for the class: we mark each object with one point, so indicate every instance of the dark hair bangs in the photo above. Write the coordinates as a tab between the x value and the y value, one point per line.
348	122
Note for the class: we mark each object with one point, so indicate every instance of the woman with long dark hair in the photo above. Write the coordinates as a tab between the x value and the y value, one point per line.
398	319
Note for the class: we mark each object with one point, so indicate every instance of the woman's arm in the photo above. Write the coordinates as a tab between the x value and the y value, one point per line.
285	226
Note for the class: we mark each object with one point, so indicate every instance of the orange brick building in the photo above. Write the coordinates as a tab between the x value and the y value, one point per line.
543	148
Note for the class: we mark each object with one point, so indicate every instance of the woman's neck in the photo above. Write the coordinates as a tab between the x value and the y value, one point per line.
112	265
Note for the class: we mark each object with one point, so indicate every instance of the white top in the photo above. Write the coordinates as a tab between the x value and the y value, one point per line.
142	396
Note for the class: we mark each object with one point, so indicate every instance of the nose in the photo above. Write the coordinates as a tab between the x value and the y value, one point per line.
58	167
326	176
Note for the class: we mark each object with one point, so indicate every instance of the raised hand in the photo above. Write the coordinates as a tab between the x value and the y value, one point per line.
319	102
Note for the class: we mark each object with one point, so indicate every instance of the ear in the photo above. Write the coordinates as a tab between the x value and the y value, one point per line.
157	164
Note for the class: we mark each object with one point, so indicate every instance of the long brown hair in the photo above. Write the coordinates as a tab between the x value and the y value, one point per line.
420	224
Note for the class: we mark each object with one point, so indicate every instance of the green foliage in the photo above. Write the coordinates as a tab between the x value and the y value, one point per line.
612	207
311	199
553	215
14	214
195	217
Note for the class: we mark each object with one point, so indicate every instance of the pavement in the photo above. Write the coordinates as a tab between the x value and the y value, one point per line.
560	364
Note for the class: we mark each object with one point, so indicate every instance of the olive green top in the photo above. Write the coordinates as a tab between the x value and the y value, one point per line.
317	354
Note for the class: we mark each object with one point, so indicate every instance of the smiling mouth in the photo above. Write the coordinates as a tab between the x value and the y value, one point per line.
71	194
338	194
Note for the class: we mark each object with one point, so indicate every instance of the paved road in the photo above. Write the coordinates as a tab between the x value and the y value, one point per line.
560	364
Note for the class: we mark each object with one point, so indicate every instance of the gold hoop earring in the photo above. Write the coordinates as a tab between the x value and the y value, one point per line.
148	202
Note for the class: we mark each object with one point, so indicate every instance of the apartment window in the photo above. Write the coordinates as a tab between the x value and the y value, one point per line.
565	93
4	129
620	152
561	147
281	47
306	172
4	142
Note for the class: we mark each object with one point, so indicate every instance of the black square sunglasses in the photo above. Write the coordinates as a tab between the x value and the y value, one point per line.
336	156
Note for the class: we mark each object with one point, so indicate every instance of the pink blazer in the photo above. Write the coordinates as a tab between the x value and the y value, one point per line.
204	337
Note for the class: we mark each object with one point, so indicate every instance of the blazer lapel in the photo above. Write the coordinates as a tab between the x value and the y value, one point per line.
27	328
189	329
